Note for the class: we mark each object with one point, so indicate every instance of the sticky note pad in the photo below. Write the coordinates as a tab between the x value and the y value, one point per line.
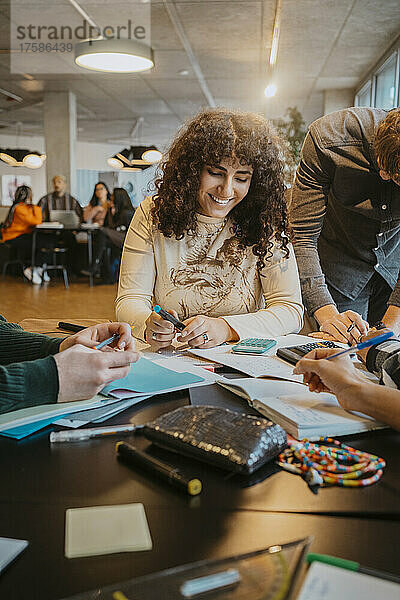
105	530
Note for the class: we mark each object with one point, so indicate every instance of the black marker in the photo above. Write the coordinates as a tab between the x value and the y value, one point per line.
70	327
138	458
165	315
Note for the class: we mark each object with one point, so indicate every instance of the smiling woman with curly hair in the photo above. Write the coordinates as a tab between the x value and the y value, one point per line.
210	245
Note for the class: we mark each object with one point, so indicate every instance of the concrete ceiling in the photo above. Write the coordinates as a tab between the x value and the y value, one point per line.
324	44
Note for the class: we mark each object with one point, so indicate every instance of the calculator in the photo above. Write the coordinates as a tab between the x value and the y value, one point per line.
292	354
253	346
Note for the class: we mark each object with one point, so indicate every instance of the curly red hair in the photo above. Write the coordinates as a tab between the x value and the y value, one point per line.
209	137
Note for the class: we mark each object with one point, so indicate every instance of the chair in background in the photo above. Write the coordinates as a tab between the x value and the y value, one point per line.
54	259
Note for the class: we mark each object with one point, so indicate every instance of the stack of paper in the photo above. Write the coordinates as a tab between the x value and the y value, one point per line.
146	378
150	377
262	365
20	423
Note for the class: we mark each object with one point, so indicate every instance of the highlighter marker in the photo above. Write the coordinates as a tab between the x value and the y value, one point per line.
136	457
165	315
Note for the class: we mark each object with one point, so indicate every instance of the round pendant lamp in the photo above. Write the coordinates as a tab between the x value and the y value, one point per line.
18	157
114	56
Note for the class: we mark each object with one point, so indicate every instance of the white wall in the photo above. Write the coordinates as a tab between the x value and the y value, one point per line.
91	156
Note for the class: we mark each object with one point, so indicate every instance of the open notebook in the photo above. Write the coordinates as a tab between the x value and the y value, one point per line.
301	413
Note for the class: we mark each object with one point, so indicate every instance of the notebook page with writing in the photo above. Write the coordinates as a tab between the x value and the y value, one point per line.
300	412
326	582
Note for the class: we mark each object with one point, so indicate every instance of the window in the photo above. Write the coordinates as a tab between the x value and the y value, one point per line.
363	97
381	90
385	86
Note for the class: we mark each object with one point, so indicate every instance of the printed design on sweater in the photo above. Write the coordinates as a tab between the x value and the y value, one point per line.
212	274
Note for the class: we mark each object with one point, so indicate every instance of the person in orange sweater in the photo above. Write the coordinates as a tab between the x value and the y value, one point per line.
17	229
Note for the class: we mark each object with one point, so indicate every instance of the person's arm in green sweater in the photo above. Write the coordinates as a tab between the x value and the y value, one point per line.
38	370
17	345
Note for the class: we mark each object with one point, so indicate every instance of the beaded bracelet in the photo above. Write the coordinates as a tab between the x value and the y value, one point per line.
336	464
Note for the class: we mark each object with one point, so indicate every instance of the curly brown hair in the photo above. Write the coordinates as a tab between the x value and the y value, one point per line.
211	136
387	144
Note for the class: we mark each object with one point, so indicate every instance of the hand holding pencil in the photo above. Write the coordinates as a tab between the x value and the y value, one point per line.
95	335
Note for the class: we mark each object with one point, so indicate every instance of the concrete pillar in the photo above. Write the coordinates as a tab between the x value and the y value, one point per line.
60	137
338	99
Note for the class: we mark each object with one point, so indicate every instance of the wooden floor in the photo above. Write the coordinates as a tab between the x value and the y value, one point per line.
19	300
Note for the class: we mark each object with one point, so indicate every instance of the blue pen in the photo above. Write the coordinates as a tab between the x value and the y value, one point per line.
110	340
371	342
165	315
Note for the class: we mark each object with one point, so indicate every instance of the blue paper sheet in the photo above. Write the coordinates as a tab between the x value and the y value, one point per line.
147	377
17	433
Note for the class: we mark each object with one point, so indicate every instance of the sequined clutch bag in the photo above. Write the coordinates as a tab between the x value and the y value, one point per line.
227	439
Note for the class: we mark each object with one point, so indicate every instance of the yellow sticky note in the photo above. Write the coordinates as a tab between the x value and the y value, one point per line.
106	530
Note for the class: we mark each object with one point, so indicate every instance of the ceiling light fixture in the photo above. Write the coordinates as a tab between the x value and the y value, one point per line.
270	90
152	155
135	158
276	33
18	157
114	56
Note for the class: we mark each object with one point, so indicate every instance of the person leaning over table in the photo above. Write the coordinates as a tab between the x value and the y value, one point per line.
352	388
36	369
210	245
345	220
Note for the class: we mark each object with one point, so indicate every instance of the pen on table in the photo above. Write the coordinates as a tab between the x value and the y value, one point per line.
165	315
108	341
79	435
172	475
371	342
350	565
70	327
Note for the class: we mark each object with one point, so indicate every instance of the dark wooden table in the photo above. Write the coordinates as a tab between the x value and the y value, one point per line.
233	515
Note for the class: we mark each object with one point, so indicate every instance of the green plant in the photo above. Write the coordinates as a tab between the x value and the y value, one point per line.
292	130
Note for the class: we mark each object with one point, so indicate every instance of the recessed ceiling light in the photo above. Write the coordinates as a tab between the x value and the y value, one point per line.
183	72
114	56
270	90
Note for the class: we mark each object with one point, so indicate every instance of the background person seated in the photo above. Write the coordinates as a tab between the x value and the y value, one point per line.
97	208
59	199
17	229
36	369
108	242
352	389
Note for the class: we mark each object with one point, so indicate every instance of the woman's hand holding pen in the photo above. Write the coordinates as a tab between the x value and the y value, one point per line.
337	376
159	332
91	336
199	332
